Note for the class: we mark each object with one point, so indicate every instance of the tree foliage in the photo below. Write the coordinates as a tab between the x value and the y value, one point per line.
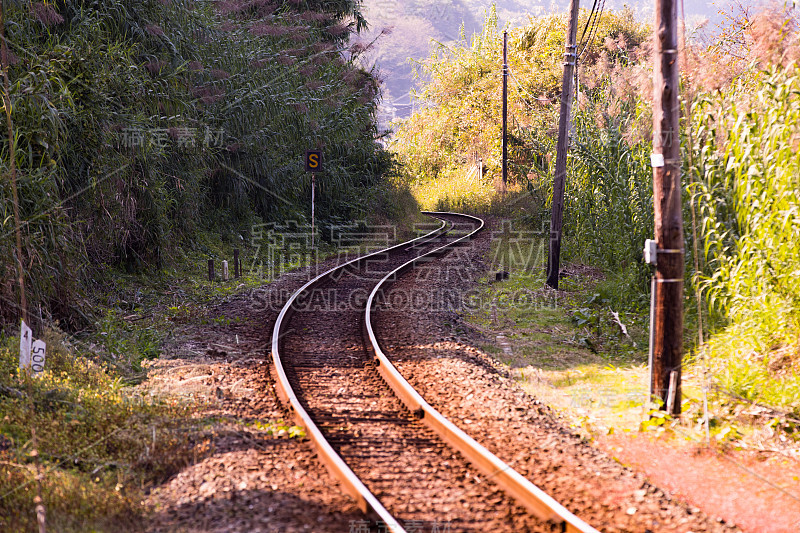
461	118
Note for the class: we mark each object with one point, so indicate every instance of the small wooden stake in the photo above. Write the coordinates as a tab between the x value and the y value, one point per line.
237	271
673	385
210	270
38	501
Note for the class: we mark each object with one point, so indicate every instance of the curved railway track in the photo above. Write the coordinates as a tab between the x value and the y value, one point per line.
404	463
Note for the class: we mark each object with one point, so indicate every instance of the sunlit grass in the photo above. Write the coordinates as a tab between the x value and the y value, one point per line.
753	364
98	442
456	190
597	396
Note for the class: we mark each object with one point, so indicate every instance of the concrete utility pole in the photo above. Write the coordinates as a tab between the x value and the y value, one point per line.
665	379
505	110
557	214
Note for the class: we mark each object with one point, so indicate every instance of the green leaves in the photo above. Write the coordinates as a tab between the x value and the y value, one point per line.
609	192
750	198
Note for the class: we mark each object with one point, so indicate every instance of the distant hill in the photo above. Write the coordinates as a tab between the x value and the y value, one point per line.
415	23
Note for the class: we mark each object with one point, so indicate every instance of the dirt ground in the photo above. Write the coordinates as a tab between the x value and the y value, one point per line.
260	476
256	477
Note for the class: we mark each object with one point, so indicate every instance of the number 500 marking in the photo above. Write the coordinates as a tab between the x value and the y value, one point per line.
37	356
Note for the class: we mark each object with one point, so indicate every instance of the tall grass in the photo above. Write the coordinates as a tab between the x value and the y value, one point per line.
749	194
454	192
609	197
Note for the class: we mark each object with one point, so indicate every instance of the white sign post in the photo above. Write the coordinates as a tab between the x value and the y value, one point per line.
31	353
25	340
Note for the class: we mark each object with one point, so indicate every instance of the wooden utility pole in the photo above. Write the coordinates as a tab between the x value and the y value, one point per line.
557	213
665	382
505	110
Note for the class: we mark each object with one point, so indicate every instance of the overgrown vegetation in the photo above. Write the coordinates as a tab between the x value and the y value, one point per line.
150	136
740	137
748	193
461	123
141	125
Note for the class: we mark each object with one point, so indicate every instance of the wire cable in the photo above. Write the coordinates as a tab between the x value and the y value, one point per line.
589	20
585	43
595	28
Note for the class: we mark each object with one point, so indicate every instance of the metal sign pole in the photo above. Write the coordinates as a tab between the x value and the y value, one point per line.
313	165
313	229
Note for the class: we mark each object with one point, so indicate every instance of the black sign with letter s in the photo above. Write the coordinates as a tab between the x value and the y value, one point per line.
313	161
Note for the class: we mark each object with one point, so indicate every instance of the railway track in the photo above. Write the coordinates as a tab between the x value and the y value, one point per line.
404	463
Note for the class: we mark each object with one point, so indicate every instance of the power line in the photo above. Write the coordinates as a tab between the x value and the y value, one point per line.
595	26
588	20
597	14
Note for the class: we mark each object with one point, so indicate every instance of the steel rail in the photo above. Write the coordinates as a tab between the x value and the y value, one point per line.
353	486
538	502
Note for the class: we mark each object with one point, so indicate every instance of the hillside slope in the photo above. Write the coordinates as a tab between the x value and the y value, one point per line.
416	24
